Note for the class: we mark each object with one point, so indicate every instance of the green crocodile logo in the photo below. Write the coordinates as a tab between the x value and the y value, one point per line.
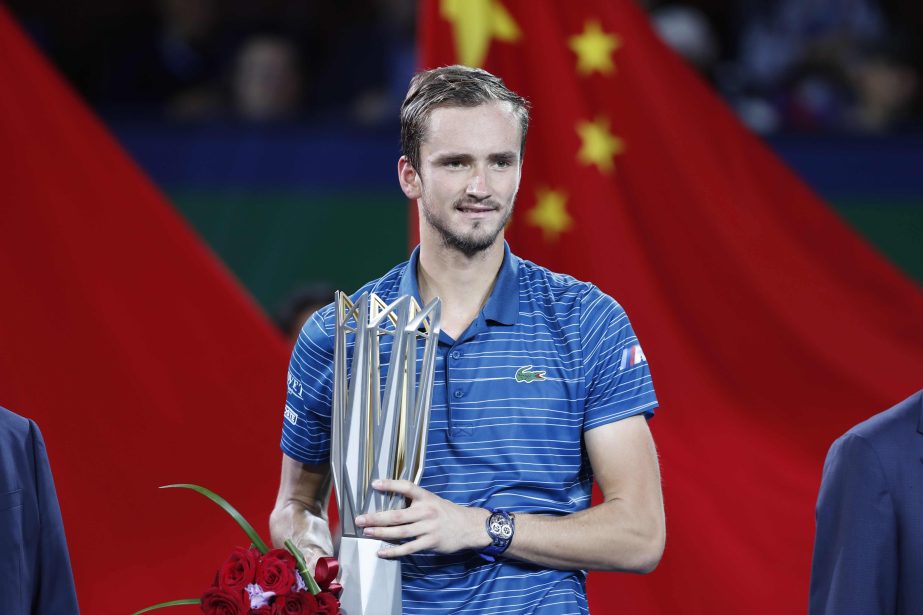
524	374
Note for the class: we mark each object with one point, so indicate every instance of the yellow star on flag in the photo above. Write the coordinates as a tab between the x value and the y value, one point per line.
598	145
550	213
594	49
475	23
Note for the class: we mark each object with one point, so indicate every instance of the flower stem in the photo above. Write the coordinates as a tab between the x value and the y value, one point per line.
306	575
239	518
171	603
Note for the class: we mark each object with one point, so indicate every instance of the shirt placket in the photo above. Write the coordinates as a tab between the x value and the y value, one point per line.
453	358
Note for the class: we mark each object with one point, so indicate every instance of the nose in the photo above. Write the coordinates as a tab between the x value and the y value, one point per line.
477	187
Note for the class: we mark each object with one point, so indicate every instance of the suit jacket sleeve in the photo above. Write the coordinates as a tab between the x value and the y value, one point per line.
855	565
53	588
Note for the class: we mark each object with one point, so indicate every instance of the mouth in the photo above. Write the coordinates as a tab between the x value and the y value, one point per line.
475	210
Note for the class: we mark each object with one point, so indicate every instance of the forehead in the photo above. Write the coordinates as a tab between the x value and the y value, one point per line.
488	128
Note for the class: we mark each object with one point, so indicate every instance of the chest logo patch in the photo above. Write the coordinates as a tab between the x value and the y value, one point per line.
525	374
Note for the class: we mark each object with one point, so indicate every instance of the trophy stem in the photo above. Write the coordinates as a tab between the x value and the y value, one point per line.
371	585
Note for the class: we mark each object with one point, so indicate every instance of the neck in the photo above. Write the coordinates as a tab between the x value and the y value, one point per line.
462	282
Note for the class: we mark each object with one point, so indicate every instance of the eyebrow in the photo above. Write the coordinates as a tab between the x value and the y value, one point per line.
508	156
452	157
504	157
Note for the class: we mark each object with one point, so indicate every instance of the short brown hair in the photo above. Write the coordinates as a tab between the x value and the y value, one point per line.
452	86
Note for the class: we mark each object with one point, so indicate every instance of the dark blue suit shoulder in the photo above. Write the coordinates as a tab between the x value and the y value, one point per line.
13	426
894	424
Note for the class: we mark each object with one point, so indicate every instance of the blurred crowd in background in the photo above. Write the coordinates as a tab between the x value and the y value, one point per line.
815	66
805	65
201	60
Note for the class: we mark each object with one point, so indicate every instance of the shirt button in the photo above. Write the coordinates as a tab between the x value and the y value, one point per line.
456	354
458	393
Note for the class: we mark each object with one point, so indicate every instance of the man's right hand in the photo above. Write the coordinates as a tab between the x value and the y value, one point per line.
300	512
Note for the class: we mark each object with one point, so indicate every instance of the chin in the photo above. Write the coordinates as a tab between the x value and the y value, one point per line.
471	244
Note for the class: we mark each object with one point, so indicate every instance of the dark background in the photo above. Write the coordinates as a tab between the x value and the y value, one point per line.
272	126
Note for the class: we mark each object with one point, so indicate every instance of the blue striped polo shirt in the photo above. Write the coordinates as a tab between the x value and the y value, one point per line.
548	358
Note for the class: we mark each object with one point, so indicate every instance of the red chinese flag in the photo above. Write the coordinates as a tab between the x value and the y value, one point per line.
770	326
142	360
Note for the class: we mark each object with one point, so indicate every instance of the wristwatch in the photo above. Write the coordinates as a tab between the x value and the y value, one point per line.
501	526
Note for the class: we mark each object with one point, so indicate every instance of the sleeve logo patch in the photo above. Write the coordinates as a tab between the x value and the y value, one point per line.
294	386
525	374
631	356
290	415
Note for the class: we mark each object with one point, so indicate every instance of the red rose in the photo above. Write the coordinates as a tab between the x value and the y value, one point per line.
218	601
295	603
281	554
239	570
263	610
276	572
327	603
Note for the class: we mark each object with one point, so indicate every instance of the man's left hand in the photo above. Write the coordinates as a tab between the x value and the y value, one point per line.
432	523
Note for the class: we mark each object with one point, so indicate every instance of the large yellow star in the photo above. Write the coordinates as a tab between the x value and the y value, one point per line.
598	145
594	49
550	213
475	23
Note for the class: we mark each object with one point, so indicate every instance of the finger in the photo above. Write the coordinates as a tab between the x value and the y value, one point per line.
391	517
402	487
407	548
396	532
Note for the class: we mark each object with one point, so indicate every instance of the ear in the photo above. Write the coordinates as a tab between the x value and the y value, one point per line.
409	179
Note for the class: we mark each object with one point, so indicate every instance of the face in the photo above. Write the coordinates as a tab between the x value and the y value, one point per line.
469	175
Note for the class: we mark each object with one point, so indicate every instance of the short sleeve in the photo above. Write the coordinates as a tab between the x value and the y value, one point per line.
617	377
306	419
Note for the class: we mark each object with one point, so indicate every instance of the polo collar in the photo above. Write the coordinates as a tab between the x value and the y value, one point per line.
503	304
408	284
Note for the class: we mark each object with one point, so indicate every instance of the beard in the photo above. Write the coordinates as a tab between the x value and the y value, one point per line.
477	239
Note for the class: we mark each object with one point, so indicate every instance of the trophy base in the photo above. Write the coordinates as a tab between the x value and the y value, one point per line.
371	585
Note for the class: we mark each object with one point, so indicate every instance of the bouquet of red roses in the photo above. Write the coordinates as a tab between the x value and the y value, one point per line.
250	583
264	581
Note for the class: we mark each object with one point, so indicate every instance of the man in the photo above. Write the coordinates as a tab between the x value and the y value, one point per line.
868	551
35	572
540	385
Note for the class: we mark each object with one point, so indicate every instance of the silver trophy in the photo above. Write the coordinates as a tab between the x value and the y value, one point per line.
377	433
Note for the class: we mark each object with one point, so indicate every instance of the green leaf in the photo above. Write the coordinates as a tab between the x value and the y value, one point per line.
220	501
171	603
313	587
